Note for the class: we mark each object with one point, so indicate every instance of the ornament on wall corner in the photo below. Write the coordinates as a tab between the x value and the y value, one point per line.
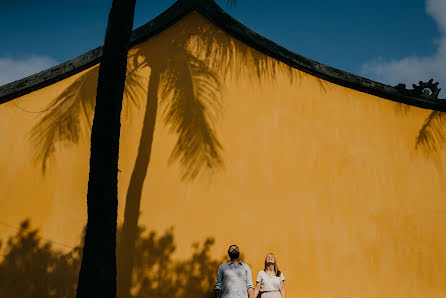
427	90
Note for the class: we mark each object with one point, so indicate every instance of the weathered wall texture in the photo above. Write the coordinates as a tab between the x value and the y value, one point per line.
325	177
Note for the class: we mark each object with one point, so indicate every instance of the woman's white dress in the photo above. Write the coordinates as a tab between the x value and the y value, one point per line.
269	286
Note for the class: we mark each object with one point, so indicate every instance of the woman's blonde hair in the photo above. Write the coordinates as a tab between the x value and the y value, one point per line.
276	268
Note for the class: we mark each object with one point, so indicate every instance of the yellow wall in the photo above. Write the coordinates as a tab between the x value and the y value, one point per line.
325	177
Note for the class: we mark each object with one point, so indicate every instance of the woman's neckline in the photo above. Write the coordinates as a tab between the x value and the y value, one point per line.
269	275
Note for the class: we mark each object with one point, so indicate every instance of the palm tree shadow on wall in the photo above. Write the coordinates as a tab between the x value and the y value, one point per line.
187	69
431	136
32	267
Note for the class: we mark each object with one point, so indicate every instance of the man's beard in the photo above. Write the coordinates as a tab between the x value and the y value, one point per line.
234	255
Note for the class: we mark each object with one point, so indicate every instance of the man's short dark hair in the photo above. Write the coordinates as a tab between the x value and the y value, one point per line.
232	246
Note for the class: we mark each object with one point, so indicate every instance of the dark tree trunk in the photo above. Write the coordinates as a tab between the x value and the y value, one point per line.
97	277
132	206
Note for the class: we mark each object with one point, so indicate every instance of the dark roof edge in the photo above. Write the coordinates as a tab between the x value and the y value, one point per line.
62	71
215	14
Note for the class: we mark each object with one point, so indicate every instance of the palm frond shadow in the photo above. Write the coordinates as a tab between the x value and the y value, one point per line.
68	120
323	85
186	76
191	72
70	115
187	70
402	108
191	100
431	137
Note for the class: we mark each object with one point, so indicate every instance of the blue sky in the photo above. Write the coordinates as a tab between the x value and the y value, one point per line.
387	40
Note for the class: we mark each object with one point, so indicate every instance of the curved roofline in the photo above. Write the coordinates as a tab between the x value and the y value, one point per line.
216	15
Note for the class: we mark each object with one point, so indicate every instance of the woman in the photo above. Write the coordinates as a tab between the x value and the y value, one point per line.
270	281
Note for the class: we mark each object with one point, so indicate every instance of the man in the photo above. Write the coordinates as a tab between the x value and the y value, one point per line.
234	278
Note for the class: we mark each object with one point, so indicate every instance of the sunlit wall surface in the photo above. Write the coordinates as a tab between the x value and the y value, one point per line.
244	150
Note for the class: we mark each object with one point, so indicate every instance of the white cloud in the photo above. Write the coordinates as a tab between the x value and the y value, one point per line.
15	69
412	69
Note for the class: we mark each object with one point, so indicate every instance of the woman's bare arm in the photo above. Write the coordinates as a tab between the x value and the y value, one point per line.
257	290
282	289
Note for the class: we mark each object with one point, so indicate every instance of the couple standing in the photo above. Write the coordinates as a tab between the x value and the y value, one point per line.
234	278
